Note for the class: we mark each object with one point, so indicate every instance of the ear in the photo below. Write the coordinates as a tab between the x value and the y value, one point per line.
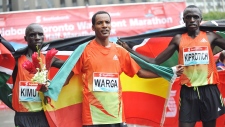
93	27
200	20
183	20
25	38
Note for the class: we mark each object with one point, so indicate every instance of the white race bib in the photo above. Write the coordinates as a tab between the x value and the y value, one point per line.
107	82
27	91
195	55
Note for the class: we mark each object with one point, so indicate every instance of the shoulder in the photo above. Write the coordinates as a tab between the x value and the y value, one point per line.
212	34
120	48
178	36
20	52
176	39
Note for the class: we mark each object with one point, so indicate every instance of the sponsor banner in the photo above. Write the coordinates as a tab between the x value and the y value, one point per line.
127	20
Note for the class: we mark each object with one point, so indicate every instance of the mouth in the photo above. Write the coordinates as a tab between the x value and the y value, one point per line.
105	31
192	25
38	43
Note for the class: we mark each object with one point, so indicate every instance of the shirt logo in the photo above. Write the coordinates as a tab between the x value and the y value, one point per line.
203	40
219	109
115	57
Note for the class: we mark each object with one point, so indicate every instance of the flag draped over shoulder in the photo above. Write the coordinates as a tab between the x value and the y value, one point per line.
56	93
7	64
145	100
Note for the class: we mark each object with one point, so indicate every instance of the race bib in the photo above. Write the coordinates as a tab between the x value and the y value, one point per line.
196	55
107	82
27	91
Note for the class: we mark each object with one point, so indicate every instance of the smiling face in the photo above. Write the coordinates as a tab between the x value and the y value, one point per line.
192	18
34	36
102	26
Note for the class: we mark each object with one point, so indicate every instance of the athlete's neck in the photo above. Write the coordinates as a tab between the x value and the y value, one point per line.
102	42
193	34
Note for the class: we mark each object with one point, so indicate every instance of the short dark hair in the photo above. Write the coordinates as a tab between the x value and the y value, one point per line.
193	6
29	26
99	12
222	56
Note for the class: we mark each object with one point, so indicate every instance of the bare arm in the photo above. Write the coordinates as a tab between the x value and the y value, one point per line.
148	74
57	62
216	40
163	56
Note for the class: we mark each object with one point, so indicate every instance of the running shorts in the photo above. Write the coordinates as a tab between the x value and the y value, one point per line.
203	103
30	119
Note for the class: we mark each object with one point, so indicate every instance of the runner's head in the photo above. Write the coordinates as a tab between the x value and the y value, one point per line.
222	57
34	36
101	24
192	17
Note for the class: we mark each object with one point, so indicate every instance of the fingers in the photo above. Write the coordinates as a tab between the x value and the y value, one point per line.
119	41
44	88
180	70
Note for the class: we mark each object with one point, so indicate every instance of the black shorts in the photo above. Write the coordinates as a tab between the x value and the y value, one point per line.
107	125
30	119
203	103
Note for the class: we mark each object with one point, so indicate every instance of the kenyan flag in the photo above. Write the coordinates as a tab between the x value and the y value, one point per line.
7	64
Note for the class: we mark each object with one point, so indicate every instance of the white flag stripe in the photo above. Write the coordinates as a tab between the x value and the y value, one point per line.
6	70
142	44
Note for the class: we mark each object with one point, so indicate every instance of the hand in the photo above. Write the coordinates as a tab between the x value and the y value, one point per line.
42	87
179	69
47	100
123	44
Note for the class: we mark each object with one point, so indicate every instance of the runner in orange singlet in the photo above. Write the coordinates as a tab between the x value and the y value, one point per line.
200	99
101	64
26	101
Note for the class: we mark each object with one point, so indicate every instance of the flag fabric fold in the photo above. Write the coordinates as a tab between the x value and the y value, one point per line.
60	78
7	64
65	70
146	100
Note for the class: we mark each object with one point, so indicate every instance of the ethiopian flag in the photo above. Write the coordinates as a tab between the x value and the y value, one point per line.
149	102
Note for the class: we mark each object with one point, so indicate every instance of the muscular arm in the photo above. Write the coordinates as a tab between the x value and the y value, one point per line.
216	40
57	62
146	74
163	56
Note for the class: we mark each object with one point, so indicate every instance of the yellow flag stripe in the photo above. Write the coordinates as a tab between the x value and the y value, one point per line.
71	94
154	86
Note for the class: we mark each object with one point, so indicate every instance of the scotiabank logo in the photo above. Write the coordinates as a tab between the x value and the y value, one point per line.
38	19
171	105
55	18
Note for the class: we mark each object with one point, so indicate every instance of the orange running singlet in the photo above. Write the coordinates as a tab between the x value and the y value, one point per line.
197	57
102	94
25	98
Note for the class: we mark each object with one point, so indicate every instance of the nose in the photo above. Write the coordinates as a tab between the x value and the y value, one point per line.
37	36
104	24
192	18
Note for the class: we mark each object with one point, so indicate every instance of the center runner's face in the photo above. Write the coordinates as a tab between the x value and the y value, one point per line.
102	26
